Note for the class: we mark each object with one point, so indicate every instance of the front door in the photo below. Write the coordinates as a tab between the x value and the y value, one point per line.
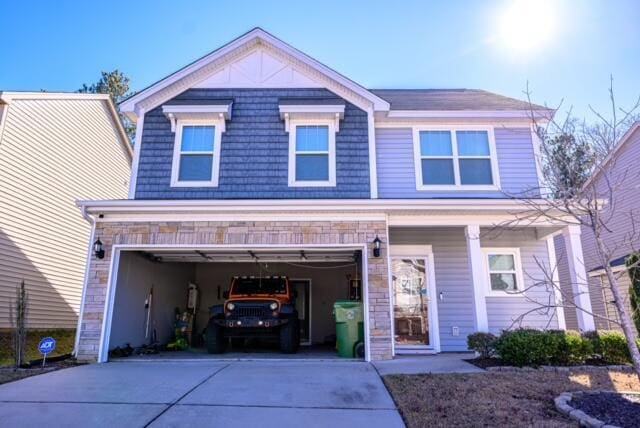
411	302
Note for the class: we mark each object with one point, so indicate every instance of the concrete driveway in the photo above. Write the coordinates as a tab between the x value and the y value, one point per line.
252	393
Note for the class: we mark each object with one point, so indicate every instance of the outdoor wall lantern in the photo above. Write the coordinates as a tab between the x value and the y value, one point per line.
376	247
97	249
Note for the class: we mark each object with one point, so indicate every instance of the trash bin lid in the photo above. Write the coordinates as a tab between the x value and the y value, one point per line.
348	310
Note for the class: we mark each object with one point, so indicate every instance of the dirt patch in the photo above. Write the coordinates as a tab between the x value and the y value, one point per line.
621	410
495	398
10	374
65	339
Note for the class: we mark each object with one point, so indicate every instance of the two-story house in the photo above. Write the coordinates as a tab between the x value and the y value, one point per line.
259	160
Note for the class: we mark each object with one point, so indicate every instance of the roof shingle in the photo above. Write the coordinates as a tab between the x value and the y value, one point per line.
450	99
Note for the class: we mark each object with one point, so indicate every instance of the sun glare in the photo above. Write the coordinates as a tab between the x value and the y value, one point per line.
527	24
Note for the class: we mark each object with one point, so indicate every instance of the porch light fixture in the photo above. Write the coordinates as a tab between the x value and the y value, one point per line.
97	249
376	247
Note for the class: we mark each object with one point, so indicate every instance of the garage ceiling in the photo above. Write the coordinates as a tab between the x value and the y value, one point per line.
222	255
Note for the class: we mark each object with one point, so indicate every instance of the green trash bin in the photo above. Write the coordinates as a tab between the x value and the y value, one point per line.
349	316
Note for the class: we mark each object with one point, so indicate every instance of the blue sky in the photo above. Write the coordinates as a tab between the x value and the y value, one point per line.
380	44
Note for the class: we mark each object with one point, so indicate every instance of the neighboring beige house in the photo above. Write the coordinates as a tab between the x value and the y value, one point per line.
55	148
620	171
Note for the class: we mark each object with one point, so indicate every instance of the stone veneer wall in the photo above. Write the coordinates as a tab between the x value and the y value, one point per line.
236	233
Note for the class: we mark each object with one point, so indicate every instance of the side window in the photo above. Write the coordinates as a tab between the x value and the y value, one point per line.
504	270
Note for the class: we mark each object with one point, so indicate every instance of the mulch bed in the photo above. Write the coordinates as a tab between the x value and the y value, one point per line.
484	363
490	399
622	410
11	374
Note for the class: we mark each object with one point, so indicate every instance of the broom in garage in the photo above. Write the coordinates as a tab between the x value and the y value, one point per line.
147	305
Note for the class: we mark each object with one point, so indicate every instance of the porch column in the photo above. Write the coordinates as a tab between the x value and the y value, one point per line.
578	277
478	281
557	292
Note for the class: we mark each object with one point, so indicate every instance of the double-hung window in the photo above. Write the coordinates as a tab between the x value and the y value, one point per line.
312	154
455	158
196	157
504	271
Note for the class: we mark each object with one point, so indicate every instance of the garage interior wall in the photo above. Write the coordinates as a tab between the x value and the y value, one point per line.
328	284
136	274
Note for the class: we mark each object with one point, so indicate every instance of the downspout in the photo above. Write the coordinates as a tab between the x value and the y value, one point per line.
92	222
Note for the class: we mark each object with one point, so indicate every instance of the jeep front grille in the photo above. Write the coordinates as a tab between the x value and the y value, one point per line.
251	312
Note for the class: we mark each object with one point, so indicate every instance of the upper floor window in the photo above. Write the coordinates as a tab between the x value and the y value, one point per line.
312	154
196	156
455	158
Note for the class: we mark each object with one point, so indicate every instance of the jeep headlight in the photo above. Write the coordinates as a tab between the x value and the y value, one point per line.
273	306
230	306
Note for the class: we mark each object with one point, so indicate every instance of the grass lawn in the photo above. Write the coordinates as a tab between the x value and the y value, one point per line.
64	338
495	398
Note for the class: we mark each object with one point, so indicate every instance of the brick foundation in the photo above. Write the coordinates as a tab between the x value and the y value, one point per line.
240	233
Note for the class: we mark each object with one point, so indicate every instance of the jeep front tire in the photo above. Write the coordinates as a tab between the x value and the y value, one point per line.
290	337
216	342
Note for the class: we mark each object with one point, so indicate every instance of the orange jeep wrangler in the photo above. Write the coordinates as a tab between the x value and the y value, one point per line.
255	307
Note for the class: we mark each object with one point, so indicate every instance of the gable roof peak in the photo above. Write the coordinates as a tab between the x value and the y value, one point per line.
200	69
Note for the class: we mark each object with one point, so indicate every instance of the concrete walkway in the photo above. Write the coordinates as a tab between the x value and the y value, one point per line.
439	363
265	394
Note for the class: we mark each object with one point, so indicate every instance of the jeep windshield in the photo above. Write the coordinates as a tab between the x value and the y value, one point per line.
252	286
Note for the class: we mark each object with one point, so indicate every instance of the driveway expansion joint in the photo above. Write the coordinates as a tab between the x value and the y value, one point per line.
155	418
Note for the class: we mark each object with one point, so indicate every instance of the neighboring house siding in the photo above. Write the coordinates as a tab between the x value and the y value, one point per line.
254	151
52	153
512	312
620	235
396	169
609	309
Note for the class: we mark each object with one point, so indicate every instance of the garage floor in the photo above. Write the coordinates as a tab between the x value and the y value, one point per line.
204	393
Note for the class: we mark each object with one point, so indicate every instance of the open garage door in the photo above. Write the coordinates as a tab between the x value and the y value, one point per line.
161	299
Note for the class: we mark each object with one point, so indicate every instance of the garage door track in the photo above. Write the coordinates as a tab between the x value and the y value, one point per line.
251	393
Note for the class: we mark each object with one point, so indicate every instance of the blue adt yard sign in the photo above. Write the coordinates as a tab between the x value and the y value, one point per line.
46	346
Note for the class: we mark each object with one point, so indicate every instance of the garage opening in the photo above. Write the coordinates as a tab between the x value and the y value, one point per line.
168	303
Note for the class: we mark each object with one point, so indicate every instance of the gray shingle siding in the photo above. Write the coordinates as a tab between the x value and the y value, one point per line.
255	150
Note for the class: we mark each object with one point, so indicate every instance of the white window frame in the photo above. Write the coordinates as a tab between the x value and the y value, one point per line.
293	125
520	286
493	156
177	152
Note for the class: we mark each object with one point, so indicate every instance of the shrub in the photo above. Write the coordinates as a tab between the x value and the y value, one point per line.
526	347
610	346
482	343
572	349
